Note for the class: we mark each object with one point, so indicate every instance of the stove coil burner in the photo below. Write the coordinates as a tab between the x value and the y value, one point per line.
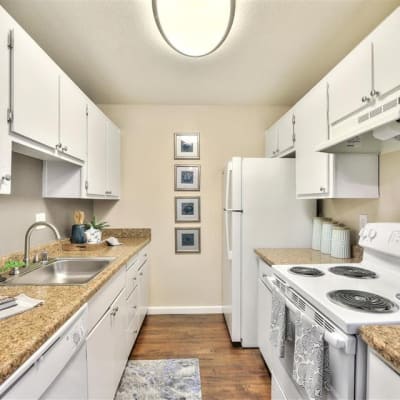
306	271
353	272
362	301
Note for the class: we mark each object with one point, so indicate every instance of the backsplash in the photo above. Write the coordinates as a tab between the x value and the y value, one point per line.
384	209
18	210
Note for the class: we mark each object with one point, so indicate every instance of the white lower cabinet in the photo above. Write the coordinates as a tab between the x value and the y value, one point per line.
116	314
143	288
383	382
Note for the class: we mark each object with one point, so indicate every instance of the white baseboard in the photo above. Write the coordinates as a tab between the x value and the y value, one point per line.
185	310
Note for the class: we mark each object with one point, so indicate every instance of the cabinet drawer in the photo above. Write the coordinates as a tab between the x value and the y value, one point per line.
104	297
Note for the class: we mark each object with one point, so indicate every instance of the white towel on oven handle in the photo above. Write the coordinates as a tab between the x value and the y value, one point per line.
311	358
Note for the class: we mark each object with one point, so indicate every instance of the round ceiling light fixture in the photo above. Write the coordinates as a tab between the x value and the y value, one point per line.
194	28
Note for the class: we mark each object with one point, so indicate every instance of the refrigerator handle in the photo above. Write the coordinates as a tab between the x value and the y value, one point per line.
227	236
228	184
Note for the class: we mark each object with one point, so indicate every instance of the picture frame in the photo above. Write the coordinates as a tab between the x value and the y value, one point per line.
187	240
187	209
187	178
187	146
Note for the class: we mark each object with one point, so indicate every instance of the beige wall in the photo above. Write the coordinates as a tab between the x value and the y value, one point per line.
18	211
147	198
384	209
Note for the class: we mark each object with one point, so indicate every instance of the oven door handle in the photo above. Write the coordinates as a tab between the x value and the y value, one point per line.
336	339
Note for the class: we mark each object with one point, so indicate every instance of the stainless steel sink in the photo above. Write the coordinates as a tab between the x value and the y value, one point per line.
61	271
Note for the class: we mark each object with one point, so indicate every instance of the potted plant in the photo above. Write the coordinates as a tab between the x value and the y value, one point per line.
93	230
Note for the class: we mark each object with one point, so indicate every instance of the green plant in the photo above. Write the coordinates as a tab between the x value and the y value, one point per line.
11	264
100	225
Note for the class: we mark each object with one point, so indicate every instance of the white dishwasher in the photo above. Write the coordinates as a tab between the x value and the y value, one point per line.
57	370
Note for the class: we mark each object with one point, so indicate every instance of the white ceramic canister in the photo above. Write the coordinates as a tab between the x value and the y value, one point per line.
326	236
316	232
340	247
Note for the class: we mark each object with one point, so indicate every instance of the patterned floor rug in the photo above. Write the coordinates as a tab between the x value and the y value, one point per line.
174	379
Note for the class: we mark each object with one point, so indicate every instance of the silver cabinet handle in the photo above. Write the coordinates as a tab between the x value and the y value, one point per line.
64	148
374	93
6	178
141	274
365	99
108	192
114	311
322	189
58	146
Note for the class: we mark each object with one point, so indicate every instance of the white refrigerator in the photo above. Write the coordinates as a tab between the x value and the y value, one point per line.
260	211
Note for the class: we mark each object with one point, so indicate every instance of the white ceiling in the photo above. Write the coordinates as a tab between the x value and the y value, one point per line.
276	51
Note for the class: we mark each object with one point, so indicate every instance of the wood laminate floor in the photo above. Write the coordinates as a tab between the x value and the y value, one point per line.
227	372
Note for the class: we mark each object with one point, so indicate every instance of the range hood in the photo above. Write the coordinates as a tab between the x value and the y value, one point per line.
376	130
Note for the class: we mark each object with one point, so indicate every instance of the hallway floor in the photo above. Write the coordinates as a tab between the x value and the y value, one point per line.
227	372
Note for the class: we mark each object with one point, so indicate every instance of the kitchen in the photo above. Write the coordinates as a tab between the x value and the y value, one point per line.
226	96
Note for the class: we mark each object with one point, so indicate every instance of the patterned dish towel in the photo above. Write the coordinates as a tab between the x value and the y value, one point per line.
311	358
278	322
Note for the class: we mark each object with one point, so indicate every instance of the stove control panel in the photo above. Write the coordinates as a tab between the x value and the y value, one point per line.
383	237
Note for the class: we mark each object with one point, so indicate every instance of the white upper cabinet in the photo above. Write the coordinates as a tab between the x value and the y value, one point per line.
271	141
5	142
312	168
286	132
96	158
321	175
34	91
350	83
386	49
280	137
73	104
113	140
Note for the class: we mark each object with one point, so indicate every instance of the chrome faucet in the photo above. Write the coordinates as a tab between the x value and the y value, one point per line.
28	237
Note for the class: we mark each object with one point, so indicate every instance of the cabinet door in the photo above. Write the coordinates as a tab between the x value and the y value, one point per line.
286	132
113	160
349	82
271	141
100	356
119	328
382	381
73	119
143	290
96	159
386	54
5	141
312	168
34	91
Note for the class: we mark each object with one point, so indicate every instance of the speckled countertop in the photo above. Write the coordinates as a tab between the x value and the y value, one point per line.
385	340
299	256
23	334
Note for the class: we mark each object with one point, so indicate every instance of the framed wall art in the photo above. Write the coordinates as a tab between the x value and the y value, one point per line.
187	177
187	240
187	146
187	209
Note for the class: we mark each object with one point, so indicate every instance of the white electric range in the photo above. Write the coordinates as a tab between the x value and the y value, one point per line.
341	298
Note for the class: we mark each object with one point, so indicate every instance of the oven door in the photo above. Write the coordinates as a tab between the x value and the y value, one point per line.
342	350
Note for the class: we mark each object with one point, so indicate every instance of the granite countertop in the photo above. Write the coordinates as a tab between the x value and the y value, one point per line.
23	334
385	340
299	256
